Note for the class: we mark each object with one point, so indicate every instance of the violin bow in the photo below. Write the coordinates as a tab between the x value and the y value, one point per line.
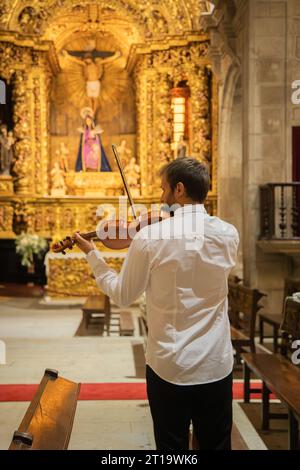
124	180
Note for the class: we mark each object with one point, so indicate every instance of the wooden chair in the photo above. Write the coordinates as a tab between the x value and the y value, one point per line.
274	319
232	281
244	306
279	374
48	421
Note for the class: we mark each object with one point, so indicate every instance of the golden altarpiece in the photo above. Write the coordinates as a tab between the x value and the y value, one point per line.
43	49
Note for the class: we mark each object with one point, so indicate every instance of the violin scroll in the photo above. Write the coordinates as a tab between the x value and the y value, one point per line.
61	246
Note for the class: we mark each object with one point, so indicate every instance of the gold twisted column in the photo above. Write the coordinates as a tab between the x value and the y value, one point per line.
23	168
200	126
41	88
144	100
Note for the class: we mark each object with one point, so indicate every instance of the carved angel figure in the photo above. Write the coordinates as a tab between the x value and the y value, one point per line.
181	148
124	152
7	141
132	172
62	154
58	185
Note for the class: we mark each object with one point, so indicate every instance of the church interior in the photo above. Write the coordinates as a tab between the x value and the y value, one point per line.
160	80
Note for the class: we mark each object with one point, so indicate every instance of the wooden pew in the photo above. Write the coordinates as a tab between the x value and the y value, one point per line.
275	319
96	304
243	305
48	421
278	374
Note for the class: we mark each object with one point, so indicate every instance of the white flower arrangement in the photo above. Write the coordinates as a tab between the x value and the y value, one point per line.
28	245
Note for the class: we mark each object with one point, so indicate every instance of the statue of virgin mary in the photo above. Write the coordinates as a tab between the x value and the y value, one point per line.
91	154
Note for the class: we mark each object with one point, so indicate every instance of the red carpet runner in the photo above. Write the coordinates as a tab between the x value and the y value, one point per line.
101	391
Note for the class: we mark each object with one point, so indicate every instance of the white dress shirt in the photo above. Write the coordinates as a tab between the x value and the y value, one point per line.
183	264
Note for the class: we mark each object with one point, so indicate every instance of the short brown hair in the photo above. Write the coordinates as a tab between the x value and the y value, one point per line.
194	175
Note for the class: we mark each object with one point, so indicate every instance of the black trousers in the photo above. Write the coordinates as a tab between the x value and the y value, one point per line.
174	407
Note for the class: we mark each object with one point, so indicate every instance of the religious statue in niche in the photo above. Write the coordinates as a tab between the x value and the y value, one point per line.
30	20
7	141
92	63
58	185
181	148
91	154
62	154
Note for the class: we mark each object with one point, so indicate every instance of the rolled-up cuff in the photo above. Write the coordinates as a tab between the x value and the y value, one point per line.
95	260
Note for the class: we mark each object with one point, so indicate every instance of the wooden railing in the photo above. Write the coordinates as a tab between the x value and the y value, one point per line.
280	211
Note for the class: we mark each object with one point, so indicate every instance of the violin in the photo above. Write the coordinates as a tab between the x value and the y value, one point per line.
114	234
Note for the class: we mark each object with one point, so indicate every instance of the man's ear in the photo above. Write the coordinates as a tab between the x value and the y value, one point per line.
180	188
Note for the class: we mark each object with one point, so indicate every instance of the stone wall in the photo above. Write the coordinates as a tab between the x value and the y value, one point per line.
266	154
256	55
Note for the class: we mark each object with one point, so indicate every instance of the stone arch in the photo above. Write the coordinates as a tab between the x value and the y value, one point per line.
230	169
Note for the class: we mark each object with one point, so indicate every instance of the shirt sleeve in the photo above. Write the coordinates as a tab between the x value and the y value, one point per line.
126	287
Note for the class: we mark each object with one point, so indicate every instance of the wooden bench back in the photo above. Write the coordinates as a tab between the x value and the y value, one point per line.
290	287
243	302
48	421
233	279
290	326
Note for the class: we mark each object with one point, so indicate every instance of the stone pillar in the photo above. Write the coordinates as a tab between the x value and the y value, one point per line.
266	131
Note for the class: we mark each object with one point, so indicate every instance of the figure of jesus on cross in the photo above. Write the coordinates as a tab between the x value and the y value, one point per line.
93	63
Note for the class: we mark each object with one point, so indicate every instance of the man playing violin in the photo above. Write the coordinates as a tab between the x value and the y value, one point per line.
182	263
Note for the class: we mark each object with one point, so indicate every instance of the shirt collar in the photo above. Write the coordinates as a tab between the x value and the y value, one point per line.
189	209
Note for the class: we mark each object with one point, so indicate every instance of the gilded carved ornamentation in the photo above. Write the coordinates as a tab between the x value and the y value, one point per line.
201	123
23	167
156	74
26	69
4	12
40	95
73	276
70	277
31	19
94	184
6	221
6	185
162	48
163	118
24	216
9	54
152	18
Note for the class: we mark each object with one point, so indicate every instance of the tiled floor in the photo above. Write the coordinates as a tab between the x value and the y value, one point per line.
39	337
